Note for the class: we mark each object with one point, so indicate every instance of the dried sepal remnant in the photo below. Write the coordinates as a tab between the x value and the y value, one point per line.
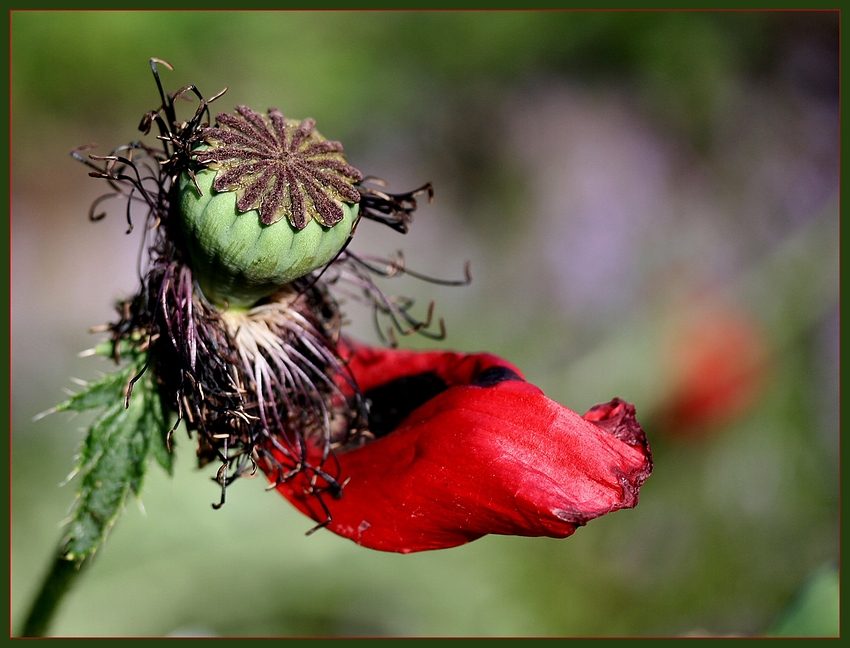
280	167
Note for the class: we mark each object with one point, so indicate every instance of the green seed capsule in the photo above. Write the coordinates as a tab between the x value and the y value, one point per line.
236	258
277	201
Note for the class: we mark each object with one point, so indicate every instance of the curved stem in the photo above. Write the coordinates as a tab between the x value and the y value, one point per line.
55	586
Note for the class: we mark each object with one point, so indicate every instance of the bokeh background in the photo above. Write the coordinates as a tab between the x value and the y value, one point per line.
649	205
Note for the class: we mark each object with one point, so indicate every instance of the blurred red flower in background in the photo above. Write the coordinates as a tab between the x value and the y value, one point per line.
717	363
463	447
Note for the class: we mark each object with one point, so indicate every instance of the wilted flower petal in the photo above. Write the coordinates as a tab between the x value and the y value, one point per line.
473	449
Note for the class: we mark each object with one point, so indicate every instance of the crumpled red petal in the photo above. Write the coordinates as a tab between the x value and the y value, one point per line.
486	455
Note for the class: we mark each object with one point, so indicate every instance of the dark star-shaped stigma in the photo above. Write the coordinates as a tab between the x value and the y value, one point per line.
280	167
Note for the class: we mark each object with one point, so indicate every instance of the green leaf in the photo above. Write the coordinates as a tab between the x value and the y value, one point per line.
98	393
114	457
101	393
815	612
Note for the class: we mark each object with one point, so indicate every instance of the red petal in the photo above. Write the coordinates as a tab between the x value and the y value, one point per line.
478	459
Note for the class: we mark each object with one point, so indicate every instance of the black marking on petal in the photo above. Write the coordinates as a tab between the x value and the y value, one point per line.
495	375
392	402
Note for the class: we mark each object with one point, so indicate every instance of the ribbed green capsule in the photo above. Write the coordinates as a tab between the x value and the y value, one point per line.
236	258
276	201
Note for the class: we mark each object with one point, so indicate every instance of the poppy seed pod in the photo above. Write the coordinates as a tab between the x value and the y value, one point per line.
273	201
236	258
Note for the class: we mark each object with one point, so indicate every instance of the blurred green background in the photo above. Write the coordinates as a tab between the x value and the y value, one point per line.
649	205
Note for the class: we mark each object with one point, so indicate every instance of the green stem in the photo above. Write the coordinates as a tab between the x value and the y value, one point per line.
55	586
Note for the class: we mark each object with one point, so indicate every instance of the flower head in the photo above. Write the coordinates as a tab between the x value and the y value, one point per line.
238	318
